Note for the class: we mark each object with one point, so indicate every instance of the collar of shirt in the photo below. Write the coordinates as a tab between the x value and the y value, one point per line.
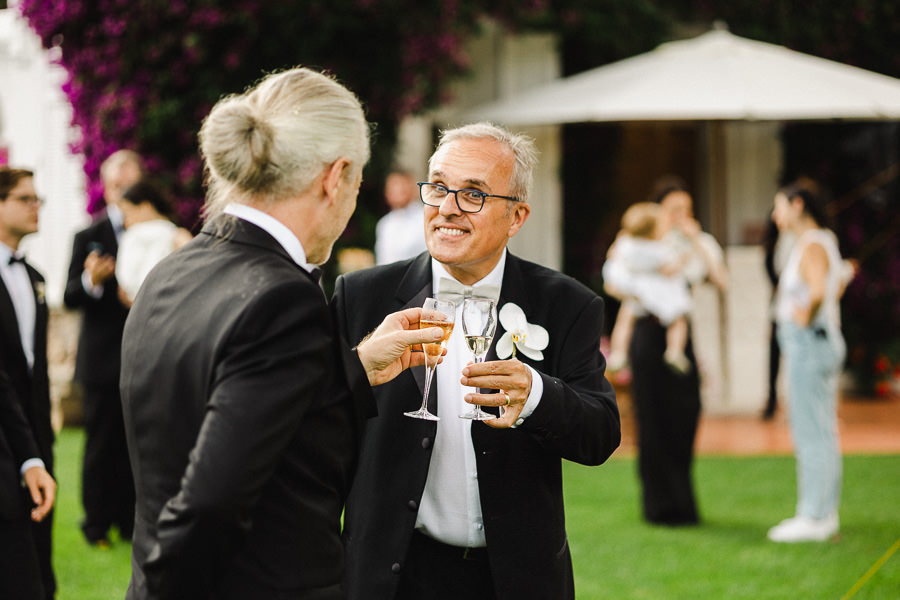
275	228
495	277
5	253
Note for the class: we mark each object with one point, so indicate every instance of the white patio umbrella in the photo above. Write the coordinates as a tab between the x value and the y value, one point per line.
715	76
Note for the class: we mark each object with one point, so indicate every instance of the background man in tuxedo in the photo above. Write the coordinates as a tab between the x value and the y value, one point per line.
107	488
462	509
243	409
23	337
398	234
20	569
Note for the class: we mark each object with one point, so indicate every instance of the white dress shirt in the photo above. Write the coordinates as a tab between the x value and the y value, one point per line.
18	284
450	510
400	234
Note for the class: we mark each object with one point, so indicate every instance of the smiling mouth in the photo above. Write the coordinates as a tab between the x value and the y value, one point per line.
452	232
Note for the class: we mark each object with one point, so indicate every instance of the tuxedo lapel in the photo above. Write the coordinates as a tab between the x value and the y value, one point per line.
513	290
40	314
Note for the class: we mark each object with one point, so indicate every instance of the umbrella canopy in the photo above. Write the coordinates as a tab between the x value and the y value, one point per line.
715	76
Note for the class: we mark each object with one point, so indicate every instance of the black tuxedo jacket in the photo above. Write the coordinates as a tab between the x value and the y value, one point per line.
519	470
97	361
31	388
243	413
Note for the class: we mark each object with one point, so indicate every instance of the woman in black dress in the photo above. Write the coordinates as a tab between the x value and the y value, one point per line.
666	402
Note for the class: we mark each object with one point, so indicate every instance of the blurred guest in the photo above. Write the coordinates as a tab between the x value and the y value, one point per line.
150	236
243	409
20	568
23	337
667	404
399	234
107	489
809	332
643	272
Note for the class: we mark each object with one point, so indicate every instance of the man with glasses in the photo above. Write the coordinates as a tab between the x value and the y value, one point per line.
23	339
463	509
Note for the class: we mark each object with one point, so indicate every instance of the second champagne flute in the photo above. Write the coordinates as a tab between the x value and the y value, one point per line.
479	321
435	313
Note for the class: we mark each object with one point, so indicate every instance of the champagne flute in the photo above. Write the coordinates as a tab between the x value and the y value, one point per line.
435	313
479	321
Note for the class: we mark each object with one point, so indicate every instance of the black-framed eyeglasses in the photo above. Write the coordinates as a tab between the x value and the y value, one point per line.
468	200
28	200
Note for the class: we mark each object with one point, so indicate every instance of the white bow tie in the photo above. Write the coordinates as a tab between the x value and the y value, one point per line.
454	291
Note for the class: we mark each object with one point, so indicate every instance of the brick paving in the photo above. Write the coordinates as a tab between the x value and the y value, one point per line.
867	426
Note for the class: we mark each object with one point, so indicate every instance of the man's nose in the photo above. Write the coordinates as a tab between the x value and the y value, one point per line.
449	206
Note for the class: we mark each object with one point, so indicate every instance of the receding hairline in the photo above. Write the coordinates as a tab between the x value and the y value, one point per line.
119	158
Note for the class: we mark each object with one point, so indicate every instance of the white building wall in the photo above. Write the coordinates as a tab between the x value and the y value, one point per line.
35	126
504	63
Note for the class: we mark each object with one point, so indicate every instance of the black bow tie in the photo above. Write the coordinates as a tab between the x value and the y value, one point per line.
316	274
16	259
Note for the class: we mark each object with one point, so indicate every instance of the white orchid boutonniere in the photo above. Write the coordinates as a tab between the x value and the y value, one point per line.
527	338
39	292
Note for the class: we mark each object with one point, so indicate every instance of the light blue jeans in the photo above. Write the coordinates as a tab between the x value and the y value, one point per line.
813	360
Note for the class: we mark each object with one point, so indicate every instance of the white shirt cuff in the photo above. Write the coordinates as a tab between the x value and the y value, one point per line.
95	291
534	398
31	462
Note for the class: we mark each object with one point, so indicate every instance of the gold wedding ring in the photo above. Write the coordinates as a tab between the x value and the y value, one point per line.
507	398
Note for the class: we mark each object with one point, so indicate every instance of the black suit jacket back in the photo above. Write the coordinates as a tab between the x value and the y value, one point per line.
97	361
242	414
519	470
30	387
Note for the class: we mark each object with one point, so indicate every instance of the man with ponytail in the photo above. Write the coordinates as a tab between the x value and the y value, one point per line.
243	408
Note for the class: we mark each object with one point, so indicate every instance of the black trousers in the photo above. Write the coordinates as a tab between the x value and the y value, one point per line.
436	571
667	407
107	485
20	566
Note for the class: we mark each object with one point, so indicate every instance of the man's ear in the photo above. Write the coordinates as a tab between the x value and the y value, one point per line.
334	178
519	215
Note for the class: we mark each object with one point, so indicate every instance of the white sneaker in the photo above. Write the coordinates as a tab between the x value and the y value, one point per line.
804	529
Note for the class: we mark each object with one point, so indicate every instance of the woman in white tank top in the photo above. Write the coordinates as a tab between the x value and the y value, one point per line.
809	331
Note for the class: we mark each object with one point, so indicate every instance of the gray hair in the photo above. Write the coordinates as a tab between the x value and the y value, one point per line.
119	158
273	140
522	147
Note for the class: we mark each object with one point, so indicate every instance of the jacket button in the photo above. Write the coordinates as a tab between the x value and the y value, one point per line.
412	505
395	568
426	443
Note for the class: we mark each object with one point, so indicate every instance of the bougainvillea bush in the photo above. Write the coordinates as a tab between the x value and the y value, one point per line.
144	73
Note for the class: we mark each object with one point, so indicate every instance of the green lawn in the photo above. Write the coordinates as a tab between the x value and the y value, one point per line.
616	555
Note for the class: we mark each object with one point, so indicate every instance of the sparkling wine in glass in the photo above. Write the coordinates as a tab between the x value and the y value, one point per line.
479	321
435	313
